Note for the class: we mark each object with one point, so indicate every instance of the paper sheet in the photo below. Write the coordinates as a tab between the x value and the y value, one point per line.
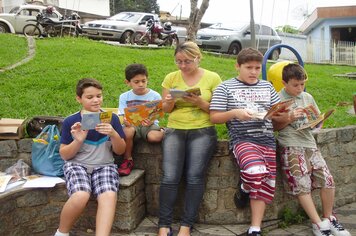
43	182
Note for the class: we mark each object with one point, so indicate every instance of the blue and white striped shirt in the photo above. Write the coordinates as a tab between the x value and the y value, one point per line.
258	97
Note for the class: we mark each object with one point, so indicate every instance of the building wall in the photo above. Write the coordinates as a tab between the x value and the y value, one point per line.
298	42
9	4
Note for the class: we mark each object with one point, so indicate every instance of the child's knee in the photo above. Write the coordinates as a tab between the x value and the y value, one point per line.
80	198
129	132
155	136
108	196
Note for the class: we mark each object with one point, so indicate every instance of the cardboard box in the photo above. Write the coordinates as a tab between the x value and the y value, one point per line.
11	128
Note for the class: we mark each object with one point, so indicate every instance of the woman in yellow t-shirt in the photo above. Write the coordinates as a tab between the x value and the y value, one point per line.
190	138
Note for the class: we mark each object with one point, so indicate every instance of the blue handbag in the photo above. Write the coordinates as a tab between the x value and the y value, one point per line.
45	152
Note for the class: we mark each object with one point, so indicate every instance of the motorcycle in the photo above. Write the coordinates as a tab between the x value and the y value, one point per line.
46	27
156	34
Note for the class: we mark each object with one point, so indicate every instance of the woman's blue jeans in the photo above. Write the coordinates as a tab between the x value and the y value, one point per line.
185	152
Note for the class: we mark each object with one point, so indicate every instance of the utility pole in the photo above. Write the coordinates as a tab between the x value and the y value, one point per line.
252	26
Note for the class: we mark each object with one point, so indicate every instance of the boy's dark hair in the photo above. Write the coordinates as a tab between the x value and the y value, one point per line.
293	71
135	69
249	54
85	83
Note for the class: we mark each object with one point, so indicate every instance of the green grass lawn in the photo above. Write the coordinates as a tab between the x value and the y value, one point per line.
46	84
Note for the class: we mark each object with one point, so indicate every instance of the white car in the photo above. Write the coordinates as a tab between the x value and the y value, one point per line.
17	18
119	27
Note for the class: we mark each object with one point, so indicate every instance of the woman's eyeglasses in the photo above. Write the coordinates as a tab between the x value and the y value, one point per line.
186	62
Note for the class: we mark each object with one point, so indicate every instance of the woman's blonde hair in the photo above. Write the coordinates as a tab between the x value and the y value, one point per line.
190	49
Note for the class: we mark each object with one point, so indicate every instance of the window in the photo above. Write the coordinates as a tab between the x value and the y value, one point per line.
266	30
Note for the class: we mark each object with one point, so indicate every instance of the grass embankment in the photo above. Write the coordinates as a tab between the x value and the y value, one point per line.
45	85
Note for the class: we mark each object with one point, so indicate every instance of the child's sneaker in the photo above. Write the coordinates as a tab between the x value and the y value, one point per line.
241	198
126	167
322	229
336	228
254	233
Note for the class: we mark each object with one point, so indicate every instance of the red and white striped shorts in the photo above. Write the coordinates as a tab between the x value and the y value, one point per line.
257	170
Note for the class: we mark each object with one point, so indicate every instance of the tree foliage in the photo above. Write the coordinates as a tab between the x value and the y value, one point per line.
117	6
287	29
195	17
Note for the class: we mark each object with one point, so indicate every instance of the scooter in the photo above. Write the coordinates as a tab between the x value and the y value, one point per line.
46	27
156	34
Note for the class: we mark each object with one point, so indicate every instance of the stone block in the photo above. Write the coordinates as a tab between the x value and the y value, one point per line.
26	157
25	216
6	163
147	148
350	147
346	160
210	200
25	145
8	148
222	148
7	206
58	194
345	135
326	136
221	182
32	198
222	166
334	150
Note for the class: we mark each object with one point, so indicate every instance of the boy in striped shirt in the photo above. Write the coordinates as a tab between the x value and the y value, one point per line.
238	102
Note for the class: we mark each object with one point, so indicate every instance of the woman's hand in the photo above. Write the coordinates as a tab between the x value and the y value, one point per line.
168	101
193	99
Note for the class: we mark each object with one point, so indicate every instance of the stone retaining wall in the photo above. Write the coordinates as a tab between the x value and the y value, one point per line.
38	210
338	146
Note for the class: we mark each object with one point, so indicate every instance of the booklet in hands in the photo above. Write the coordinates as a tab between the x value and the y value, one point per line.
313	119
91	119
280	107
177	93
149	110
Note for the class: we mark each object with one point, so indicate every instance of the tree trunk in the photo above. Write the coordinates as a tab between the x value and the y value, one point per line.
196	14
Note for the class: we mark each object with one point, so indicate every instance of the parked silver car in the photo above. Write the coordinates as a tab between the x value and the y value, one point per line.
231	38
119	27
16	19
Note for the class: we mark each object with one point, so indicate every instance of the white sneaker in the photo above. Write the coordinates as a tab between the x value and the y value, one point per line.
336	228
322	229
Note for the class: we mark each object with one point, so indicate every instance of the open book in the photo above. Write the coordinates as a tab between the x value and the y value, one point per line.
92	119
149	110
313	117
177	93
284	106
4	180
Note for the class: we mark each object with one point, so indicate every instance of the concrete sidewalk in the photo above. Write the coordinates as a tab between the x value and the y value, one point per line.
148	227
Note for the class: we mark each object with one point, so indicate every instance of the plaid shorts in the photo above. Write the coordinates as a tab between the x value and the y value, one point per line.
304	169
92	180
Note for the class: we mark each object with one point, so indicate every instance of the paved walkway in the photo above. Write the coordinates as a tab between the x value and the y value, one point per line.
148	227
